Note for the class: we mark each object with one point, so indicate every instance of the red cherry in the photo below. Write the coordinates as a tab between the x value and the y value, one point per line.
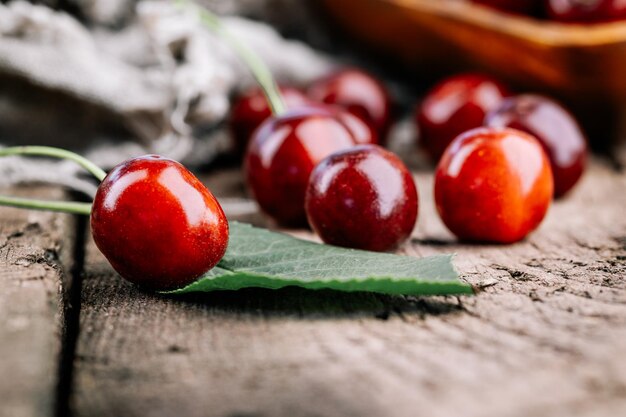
362	132
454	105
283	152
252	109
359	93
493	185
557	131
156	223
362	198
526	7
582	11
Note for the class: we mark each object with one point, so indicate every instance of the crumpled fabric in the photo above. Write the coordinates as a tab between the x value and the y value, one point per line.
160	83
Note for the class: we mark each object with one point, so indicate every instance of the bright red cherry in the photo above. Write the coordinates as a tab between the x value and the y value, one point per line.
251	109
156	223
359	93
456	104
557	131
363	198
493	185
582	11
526	7
282	153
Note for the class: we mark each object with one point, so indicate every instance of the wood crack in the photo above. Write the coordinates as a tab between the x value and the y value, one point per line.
71	321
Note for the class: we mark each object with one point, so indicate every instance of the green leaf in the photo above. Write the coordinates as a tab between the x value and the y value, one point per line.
260	258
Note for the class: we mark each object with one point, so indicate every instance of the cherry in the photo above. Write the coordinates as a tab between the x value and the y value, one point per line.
582	11
454	105
156	223
362	132
359	93
282	153
559	134
493	185
251	109
526	7
363	198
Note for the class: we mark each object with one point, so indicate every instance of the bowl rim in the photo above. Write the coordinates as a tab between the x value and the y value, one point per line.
527	28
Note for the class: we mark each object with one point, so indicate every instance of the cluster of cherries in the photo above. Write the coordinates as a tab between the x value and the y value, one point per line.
502	158
321	161
569	11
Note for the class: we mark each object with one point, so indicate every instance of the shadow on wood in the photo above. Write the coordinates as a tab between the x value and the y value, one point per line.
294	301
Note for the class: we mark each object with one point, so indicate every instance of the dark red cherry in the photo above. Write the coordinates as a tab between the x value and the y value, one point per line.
454	105
362	132
282	153
359	93
251	109
493	185
157	224
526	7
586	11
557	131
363	198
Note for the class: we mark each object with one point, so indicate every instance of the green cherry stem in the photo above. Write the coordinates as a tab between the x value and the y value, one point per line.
60	206
256	66
49	151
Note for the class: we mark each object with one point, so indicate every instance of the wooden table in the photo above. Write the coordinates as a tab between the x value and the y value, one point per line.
546	336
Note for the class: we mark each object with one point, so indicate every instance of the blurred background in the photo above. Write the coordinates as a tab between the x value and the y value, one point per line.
118	78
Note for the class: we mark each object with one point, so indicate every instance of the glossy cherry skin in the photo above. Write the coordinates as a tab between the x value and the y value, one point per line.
251	109
359	93
586	11
363	198
283	152
362	132
157	224
454	105
526	7
557	130
493	185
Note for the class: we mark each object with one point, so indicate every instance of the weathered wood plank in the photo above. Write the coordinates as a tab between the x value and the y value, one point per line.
546	337
33	246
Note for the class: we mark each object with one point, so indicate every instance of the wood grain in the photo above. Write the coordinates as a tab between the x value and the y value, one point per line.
545	337
33	249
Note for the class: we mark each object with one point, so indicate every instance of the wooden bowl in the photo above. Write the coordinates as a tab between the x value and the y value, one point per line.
578	63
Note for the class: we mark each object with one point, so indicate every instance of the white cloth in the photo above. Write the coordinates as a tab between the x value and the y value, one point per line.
159	84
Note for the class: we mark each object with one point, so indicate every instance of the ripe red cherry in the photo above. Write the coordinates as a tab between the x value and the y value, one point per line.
252	108
582	11
283	152
359	93
557	131
456	104
363	198
526	7
362	132
493	185
156	223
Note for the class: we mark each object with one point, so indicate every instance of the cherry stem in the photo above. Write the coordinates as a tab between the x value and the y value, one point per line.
61	206
256	66
93	169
